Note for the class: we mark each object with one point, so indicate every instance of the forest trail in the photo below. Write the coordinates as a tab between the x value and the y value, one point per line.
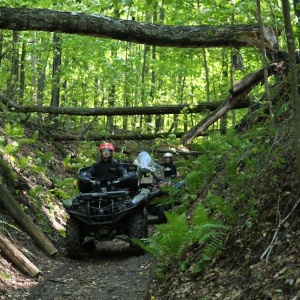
110	272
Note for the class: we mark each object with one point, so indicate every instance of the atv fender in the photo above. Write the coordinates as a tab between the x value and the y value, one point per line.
68	203
141	197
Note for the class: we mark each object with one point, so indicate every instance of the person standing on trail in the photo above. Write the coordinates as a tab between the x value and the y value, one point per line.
170	169
107	168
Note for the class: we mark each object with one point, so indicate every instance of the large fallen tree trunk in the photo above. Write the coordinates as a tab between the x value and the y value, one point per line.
17	257
240	89
120	111
184	152
14	210
120	137
151	34
124	30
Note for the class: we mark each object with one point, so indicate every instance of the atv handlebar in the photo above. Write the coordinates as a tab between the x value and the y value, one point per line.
120	179
96	184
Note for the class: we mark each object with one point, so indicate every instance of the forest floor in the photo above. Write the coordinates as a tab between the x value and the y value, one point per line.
112	272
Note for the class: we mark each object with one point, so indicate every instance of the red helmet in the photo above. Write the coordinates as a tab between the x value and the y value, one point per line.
107	146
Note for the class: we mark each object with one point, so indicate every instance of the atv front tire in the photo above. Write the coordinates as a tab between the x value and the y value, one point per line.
159	211
89	245
74	239
137	228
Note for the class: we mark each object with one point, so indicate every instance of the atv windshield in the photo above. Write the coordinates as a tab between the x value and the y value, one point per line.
144	160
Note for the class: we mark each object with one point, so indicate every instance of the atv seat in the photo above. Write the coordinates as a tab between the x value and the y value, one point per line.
83	185
132	183
134	171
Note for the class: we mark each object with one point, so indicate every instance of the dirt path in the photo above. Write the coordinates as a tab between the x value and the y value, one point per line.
111	272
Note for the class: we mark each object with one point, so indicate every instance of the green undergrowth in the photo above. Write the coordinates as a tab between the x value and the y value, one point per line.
219	187
23	155
218	194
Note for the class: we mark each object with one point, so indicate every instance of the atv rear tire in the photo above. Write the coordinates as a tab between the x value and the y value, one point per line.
137	228
74	239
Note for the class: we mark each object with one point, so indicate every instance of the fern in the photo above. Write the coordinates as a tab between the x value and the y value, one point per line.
150	246
204	169
166	199
200	215
171	239
214	242
4	225
202	233
4	275
14	130
12	148
220	206
173	235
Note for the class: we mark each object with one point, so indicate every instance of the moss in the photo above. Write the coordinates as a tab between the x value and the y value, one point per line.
7	173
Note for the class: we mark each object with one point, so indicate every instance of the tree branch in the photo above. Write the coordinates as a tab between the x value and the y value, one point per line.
202	36
267	252
119	137
240	89
119	111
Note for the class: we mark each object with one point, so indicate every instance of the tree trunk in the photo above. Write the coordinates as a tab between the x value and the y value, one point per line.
14	73
17	257
151	34
176	152
111	104
41	71
293	78
55	72
11	205
264	63
207	87
297	13
1	48
22	71
239	91
120	111
143	85
120	137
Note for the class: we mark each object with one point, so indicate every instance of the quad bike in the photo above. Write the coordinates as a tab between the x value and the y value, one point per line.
103	213
153	180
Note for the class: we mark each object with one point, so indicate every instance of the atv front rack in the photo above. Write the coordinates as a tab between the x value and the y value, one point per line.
104	208
100	195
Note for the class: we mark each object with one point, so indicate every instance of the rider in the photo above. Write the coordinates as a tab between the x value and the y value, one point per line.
107	168
170	169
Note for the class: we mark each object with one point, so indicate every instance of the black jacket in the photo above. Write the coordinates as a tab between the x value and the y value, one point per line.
169	170
105	171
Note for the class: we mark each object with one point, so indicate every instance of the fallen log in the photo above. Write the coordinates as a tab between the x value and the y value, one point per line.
14	210
178	151
240	89
119	137
119	111
17	257
202	36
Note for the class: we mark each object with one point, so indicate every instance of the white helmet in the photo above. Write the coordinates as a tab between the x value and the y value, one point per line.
168	154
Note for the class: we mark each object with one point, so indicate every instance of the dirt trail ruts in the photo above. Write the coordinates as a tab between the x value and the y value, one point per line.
111	272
